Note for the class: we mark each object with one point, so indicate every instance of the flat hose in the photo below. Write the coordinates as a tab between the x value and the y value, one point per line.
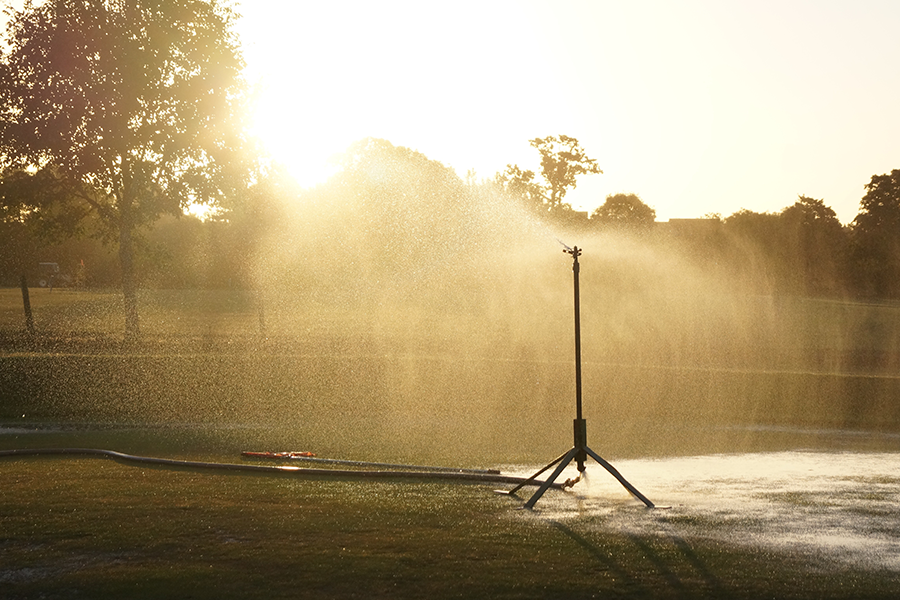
280	470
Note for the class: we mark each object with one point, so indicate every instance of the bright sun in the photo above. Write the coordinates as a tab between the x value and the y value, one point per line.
302	147
697	106
329	75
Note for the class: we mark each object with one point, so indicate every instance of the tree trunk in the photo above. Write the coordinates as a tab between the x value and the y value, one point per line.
126	260
29	319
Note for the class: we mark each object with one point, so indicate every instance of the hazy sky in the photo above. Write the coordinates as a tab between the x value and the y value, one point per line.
698	106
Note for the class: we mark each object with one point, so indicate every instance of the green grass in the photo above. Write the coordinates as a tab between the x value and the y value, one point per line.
407	386
413	380
92	528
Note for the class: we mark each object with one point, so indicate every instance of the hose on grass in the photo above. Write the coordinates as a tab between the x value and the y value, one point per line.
291	471
360	463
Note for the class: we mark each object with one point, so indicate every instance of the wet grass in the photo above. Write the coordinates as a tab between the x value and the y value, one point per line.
94	528
339	385
437	376
798	499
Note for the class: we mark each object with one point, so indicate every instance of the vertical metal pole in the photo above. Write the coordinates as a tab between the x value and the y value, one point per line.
579	425
575	270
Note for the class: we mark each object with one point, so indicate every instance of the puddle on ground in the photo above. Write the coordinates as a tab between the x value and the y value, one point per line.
834	505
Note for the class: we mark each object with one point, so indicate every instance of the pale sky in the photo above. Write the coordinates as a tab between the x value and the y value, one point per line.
697	106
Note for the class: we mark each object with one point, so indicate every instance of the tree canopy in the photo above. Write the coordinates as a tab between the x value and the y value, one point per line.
563	160
880	207
876	234
625	210
127	109
394	209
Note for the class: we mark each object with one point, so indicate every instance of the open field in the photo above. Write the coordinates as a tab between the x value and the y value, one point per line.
451	383
95	528
714	433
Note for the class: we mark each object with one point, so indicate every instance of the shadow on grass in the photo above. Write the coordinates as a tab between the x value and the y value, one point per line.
661	565
605	558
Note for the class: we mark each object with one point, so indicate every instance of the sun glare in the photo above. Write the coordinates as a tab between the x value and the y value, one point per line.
698	106
329	76
302	145
677	103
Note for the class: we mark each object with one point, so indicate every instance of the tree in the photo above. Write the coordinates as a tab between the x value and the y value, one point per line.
562	161
251	237
756	249
395	217
876	235
816	244
408	204
522	185
19	252
624	210
126	109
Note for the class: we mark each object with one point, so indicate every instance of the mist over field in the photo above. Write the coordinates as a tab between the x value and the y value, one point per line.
231	370
397	308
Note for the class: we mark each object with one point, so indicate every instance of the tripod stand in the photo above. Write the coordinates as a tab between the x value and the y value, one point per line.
580	450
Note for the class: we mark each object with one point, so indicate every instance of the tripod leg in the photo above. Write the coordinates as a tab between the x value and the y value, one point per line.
564	461
617	475
532	478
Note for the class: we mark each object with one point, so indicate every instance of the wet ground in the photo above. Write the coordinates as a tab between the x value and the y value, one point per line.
820	505
837	499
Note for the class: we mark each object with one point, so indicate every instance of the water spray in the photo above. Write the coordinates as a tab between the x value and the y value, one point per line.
580	450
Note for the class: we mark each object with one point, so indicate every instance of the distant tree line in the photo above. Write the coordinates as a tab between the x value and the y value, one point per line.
116	118
804	249
391	214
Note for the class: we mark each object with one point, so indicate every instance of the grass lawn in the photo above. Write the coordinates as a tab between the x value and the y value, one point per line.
414	388
94	528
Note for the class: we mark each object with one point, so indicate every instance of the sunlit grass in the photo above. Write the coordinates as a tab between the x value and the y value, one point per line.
403	380
175	315
400	386
98	529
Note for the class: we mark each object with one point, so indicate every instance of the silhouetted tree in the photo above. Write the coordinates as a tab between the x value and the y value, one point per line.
171	253
801	250
409	202
876	236
126	110
17	240
24	243
44	232
624	210
816	244
257	235
522	184
563	160
392	215
19	252
756	249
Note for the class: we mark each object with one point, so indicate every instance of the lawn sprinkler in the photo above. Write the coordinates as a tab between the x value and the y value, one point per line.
580	450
